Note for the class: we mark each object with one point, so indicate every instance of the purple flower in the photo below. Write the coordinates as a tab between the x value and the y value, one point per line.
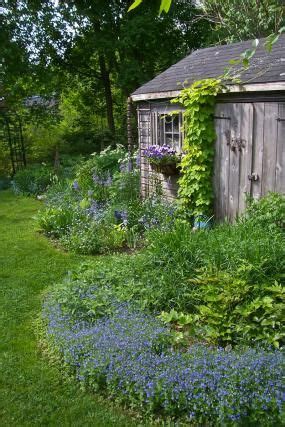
161	153
108	180
121	216
96	179
96	210
130	352
75	186
126	166
104	181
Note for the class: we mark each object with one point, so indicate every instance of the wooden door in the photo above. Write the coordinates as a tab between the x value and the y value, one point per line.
233	158
250	154
280	150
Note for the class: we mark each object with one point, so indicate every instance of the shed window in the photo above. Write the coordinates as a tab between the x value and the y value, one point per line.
169	130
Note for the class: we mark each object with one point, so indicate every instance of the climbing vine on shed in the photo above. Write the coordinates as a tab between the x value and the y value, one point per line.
195	183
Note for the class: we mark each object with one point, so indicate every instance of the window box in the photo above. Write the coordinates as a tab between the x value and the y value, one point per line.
169	169
163	159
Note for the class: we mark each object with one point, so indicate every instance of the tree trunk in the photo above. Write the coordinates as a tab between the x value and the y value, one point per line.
108	93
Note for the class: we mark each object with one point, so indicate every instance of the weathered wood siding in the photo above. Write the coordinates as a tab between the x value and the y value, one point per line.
249	152
149	134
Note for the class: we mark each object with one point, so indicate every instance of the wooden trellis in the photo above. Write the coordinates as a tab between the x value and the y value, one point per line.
12	135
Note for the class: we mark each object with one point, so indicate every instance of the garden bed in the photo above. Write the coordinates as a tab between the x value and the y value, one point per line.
190	327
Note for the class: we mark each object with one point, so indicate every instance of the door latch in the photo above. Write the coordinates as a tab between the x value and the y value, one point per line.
253	177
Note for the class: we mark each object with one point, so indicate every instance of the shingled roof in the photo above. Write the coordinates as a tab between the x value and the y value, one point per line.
264	67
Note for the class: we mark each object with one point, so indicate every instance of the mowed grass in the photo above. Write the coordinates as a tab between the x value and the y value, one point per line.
32	392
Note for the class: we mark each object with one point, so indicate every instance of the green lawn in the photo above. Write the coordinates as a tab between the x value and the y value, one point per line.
31	391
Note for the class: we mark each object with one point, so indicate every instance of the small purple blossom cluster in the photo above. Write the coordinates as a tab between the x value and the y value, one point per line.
75	186
147	223
121	216
96	210
105	181
129	353
158	154
126	166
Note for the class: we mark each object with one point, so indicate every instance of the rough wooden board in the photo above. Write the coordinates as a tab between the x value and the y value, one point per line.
280	151
257	152
264	68
245	155
217	161
234	89
234	165
269	150
225	161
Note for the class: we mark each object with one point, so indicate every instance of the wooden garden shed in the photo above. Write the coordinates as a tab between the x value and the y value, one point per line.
249	123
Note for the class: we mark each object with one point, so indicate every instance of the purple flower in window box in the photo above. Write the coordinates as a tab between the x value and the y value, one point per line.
163	159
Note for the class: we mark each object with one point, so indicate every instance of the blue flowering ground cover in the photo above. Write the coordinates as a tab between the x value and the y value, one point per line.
130	354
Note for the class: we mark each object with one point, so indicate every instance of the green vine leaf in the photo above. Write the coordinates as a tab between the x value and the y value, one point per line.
135	4
195	183
165	6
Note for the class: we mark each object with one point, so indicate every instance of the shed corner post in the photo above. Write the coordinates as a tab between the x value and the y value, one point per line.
129	126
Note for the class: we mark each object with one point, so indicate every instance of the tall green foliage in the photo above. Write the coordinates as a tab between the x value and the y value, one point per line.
195	189
164	5
108	49
236	20
243	19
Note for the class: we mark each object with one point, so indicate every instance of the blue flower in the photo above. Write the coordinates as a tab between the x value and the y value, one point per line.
160	153
75	186
121	216
129	352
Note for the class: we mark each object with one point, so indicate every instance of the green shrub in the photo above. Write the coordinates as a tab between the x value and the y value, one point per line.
125	187
56	221
259	252
95	173
103	197
268	212
227	280
69	165
91	237
163	275
241	306
60	194
232	311
32	180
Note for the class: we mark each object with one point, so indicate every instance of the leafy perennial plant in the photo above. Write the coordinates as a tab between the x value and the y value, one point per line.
100	210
